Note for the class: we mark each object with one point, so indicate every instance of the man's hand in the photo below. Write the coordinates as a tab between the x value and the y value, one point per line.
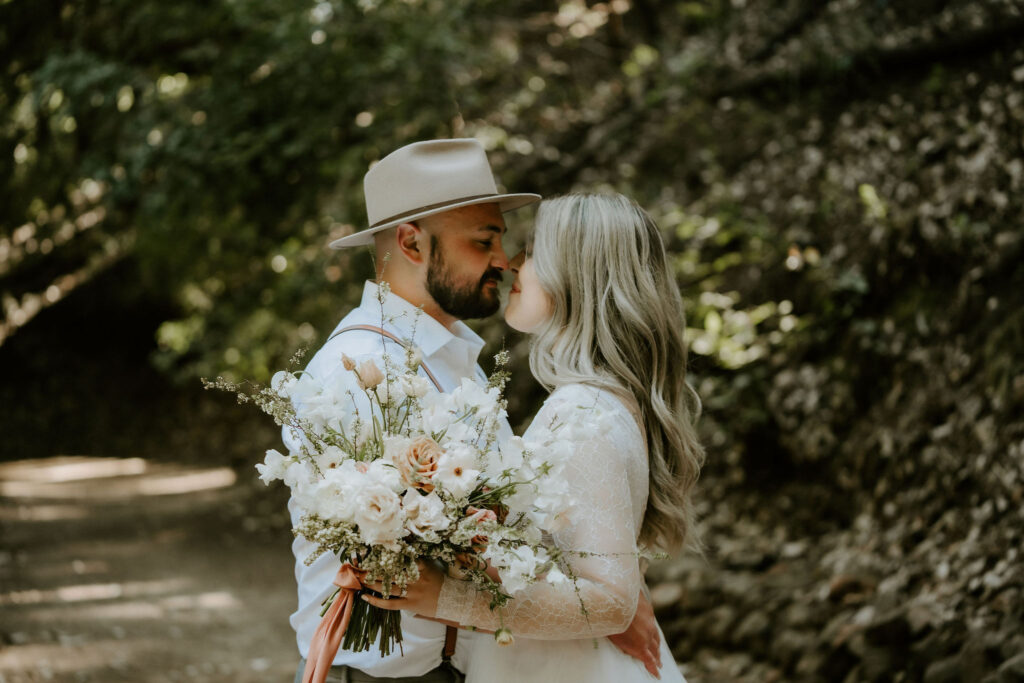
641	639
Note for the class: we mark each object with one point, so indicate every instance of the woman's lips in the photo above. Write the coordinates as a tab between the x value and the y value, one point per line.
514	290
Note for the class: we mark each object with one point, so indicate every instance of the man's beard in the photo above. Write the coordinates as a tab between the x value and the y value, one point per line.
462	301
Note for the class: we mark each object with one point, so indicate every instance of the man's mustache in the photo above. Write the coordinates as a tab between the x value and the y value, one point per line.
491	274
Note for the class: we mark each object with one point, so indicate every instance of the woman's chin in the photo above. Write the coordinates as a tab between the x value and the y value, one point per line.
510	320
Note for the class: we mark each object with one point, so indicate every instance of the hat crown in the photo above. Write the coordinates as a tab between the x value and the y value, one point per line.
426	174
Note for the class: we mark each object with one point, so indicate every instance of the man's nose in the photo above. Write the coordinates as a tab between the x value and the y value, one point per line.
500	259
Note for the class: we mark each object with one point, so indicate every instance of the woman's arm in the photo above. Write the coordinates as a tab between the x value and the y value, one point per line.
603	600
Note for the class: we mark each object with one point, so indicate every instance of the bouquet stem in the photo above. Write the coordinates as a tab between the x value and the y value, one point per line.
371	625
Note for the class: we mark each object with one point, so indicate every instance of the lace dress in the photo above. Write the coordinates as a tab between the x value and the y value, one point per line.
554	640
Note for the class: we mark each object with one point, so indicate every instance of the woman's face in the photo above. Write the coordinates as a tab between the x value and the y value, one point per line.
529	306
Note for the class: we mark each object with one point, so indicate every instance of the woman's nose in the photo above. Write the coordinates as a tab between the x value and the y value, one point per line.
517	262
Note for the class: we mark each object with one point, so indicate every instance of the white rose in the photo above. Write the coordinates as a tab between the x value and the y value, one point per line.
382	473
390	393
424	514
335	495
378	512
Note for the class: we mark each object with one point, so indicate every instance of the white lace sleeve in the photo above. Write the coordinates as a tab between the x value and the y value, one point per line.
603	478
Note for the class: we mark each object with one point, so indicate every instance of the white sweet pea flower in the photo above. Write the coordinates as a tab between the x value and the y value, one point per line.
518	567
435	415
331	457
511	452
282	383
273	466
319	403
305	389
424	514
415	386
473	395
555	576
459	432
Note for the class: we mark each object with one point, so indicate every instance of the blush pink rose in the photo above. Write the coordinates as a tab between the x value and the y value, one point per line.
417	462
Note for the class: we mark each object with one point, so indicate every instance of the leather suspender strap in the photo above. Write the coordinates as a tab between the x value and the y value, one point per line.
451	634
385	333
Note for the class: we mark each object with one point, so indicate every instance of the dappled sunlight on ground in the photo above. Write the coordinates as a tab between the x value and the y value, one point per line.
80	477
125	569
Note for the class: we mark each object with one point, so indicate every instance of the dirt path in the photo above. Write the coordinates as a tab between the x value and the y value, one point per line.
117	569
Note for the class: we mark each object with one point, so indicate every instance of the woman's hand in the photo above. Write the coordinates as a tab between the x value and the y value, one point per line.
420	596
641	640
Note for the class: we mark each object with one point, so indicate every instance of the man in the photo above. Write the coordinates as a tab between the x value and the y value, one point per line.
436	223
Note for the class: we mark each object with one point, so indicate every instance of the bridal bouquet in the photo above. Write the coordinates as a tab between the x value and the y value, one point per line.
411	474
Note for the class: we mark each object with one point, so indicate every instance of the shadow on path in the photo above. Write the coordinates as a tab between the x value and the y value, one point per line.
122	569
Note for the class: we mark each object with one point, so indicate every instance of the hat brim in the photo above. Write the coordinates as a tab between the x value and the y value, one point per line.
505	202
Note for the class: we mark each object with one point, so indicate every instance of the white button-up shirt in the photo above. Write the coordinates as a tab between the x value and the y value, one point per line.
451	355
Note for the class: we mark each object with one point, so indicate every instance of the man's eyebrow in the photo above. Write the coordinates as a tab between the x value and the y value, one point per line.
493	228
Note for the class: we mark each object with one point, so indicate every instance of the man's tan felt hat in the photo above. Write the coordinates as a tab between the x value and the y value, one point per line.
426	178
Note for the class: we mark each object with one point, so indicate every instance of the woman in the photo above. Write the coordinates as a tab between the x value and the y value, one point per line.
596	291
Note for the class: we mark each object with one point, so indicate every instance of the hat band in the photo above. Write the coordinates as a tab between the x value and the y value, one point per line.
430	207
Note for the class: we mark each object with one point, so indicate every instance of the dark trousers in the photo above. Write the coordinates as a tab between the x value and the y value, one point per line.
446	673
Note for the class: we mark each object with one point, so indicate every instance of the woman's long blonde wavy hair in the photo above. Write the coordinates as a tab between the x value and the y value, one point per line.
618	323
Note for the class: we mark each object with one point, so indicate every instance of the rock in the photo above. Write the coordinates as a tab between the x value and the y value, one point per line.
799	614
790	645
1012	670
921	617
810	665
877	664
1013	644
753	630
943	671
837	664
890	631
719	624
847	588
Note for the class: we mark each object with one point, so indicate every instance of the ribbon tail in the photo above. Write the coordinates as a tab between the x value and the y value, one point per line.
330	631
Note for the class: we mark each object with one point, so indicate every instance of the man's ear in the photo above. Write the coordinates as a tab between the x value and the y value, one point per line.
412	242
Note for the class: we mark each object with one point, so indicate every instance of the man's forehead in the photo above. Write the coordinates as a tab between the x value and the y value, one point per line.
483	217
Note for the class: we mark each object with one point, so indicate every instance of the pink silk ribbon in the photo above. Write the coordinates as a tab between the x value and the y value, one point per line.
331	630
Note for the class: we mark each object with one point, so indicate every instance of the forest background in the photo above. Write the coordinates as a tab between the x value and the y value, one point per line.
839	183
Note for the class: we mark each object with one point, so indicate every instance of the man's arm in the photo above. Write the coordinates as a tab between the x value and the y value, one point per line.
641	640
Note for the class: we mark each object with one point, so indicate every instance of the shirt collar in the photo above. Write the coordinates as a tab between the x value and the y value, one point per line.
430	335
